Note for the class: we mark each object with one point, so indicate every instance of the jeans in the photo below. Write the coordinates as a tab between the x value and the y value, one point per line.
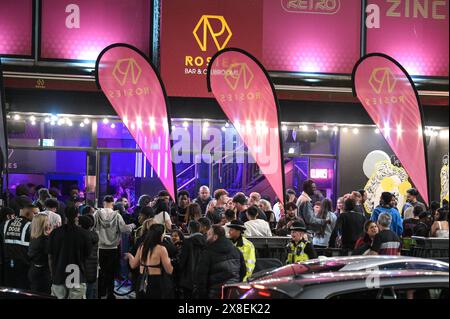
91	290
61	292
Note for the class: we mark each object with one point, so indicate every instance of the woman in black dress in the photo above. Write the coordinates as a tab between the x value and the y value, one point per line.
152	259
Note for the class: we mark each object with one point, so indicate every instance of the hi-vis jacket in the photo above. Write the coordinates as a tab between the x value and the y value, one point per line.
16	239
298	252
248	250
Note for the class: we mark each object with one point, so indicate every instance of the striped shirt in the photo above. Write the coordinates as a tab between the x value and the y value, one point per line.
386	242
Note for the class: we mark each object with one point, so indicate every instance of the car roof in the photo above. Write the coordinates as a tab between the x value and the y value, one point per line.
344	263
292	285
360	264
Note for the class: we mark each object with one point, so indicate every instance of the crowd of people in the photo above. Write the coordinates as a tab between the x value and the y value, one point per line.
191	247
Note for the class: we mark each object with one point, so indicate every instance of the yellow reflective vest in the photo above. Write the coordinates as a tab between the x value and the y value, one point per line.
248	250
296	252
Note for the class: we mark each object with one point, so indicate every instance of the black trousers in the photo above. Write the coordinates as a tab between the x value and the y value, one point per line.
108	259
40	280
16	274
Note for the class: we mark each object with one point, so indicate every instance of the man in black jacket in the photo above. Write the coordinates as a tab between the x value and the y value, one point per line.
350	225
221	263
203	199
193	248
69	248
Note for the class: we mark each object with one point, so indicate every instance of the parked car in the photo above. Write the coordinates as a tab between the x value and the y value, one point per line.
352	263
12	293
399	284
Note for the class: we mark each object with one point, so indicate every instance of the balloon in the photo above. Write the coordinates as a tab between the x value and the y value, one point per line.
372	159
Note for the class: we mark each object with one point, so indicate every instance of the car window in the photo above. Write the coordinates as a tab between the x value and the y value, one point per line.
358	294
395	293
427	266
414	266
421	293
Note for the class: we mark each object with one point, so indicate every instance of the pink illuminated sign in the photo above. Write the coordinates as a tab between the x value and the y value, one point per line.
415	33
81	29
16	28
319	173
311	35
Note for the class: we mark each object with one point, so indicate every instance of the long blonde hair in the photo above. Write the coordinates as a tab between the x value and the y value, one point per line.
39	225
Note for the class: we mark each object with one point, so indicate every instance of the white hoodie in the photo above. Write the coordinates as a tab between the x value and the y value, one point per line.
257	228
110	225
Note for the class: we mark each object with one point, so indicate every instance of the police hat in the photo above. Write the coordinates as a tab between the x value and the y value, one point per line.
298	225
237	224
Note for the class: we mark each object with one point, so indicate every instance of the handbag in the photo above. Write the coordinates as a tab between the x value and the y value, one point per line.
143	281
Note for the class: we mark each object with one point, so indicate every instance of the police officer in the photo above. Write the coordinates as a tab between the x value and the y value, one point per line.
300	248
16	239
236	230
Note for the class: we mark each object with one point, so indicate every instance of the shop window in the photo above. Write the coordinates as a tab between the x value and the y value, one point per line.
23	134
66	136
115	136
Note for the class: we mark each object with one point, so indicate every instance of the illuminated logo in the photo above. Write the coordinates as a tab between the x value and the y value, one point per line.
382	78
126	70
239	72
311	6
214	26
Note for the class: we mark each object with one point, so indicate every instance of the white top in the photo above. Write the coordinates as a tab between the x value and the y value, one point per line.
257	228
163	218
441	233
227	229
276	211
53	218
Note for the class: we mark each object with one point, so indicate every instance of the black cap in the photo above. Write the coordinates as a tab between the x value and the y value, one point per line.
237	224
298	225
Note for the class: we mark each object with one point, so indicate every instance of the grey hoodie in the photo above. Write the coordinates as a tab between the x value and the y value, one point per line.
109	225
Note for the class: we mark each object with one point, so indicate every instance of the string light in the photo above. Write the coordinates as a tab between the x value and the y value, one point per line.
16	117
325	128
377	131
345	130
113	126
82	124
105	121
86	121
355	131
284	128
